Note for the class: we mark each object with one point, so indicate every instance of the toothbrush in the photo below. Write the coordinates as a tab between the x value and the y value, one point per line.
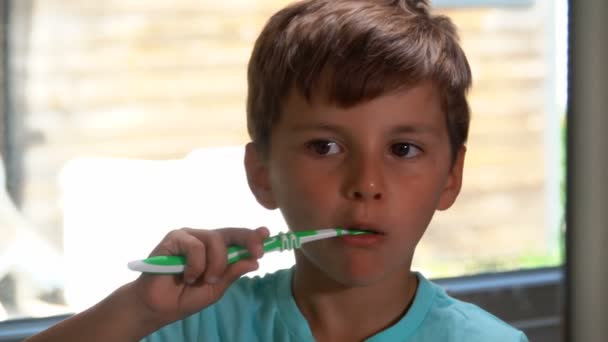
173	264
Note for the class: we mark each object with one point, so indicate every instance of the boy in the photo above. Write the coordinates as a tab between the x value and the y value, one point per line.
358	118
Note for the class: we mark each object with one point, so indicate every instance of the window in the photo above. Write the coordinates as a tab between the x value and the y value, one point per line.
510	213
120	114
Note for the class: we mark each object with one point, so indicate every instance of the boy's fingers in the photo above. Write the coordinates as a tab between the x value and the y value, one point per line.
168	245
206	254
216	258
255	242
196	253
251	239
263	232
183	242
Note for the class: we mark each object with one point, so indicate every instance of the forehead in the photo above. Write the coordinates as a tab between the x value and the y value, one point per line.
420	103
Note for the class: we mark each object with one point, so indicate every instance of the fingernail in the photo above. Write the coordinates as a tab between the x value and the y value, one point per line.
191	281
263	229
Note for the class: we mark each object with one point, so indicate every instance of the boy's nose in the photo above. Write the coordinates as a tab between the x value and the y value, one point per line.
365	181
366	192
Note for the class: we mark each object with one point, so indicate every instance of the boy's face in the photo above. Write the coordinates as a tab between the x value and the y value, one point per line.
383	165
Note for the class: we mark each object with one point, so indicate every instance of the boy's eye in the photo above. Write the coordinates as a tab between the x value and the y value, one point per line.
405	150
324	147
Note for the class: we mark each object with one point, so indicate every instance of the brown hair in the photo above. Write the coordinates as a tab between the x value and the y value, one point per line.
359	49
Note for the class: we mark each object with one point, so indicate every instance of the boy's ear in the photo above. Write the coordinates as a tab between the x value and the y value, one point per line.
258	176
453	181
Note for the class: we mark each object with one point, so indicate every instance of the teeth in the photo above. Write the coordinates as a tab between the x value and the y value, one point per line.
367	230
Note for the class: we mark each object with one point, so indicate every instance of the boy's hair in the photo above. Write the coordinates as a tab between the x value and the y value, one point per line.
355	50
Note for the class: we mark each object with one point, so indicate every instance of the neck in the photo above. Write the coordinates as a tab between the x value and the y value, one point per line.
333	308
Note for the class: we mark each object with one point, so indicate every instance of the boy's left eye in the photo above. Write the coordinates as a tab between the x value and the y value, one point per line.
405	150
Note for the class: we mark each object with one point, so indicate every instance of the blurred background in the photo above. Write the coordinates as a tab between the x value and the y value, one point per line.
122	120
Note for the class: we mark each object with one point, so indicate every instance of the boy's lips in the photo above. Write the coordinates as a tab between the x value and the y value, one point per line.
365	227
363	240
375	237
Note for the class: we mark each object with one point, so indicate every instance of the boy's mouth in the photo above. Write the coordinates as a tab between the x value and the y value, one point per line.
374	238
369	228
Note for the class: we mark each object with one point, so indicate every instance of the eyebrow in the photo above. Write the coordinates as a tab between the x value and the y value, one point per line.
399	129
418	129
317	127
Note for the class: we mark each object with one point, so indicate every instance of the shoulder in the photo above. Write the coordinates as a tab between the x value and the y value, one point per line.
464	321
258	287
252	296
230	318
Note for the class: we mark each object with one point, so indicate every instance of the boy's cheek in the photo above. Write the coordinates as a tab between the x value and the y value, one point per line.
308	207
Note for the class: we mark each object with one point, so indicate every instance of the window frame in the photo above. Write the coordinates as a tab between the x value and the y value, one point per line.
11	124
586	278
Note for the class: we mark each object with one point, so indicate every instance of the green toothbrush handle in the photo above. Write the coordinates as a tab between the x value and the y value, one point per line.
236	253
175	263
281	242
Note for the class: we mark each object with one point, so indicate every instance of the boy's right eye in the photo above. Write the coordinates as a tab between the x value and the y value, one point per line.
324	147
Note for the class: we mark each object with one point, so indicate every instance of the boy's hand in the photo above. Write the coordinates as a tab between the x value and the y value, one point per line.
167	298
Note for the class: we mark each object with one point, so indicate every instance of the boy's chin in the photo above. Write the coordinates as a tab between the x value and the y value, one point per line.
358	279
356	275
348	272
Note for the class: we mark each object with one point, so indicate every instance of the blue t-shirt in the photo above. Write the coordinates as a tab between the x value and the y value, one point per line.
263	309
